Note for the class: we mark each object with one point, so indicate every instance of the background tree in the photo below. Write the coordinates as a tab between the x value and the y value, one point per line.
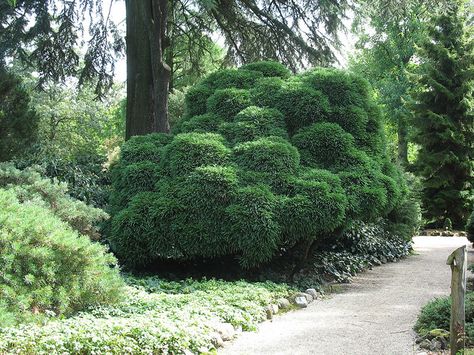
289	32
444	117
18	123
386	45
300	32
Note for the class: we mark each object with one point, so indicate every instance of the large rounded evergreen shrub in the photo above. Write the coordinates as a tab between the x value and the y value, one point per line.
262	162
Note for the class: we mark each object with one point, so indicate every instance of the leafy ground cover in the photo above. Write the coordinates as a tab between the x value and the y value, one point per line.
433	320
156	316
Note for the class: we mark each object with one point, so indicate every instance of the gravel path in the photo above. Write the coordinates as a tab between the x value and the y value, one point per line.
374	315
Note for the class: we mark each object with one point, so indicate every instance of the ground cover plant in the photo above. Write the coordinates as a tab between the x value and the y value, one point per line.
435	316
263	163
156	316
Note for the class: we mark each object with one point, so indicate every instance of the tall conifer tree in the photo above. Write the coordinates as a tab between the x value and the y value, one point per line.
443	116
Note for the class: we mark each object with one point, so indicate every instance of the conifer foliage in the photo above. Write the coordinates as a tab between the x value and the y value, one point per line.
18	124
443	117
262	163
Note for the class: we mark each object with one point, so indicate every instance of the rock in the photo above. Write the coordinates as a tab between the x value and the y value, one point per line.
274	308
435	345
444	343
301	301
226	331
312	292
377	262
425	344
283	303
308	297
269	311
383	259
419	339
217	340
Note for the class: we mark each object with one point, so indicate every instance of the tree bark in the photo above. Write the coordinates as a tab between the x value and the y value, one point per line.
147	74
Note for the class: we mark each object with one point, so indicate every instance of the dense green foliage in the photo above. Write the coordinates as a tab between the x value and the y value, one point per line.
156	317
86	176
436	314
470	227
444	119
30	186
73	123
261	162
385	52
47	268
18	123
360	247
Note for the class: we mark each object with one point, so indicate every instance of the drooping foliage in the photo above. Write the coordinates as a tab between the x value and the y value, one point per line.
262	162
18	123
444	119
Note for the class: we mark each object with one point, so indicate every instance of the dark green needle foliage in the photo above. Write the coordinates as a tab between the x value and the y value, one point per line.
18	123
444	119
270	162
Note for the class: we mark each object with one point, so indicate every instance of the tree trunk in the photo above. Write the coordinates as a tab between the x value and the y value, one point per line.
147	74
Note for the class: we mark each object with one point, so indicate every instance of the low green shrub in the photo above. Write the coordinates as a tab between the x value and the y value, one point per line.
436	314
156	317
405	218
29	185
48	267
138	218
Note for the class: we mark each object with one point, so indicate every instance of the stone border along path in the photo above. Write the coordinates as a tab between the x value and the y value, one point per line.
373	315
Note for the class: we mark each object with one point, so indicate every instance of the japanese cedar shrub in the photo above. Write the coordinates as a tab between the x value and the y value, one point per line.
262	161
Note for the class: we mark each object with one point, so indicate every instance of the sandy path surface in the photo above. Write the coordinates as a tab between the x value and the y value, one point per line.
374	315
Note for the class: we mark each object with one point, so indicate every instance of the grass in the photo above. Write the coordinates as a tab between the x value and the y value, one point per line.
157	316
